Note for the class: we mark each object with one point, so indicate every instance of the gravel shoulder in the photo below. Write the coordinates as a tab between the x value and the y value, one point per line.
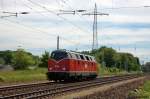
99	89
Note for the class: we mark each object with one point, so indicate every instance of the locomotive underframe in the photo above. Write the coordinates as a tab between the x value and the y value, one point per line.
70	75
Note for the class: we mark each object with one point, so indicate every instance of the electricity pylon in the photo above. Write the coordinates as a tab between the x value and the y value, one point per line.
95	13
57	42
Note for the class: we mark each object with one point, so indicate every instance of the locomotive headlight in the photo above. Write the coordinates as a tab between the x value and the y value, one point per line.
64	68
50	68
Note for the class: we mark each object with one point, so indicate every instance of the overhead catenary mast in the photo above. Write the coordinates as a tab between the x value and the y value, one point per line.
95	38
95	13
57	42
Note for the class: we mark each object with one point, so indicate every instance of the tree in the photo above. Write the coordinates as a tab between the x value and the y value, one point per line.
44	59
129	62
146	67
106	55
117	59
37	60
110	58
22	59
2	61
8	57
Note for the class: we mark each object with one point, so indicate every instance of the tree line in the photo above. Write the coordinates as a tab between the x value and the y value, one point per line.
146	67
105	56
22	59
111	58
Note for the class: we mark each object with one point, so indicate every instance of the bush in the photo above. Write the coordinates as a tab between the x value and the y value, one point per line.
44	59
114	70
22	59
2	61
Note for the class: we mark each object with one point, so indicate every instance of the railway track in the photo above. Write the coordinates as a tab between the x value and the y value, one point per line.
13	89
49	89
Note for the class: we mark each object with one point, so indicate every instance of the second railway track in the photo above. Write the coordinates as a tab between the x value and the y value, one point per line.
47	90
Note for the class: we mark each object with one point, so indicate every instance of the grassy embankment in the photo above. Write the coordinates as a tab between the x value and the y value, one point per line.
143	92
104	71
39	74
23	75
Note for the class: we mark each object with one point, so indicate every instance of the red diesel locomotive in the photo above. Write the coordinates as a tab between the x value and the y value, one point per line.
67	65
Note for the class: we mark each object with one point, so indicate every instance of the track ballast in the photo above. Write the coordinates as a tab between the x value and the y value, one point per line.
51	89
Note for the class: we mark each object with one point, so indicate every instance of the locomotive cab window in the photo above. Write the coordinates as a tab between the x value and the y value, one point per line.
58	55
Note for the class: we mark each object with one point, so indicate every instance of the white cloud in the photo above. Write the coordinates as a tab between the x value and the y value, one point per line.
76	31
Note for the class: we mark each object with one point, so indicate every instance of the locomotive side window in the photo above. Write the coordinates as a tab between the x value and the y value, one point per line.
81	56
73	55
77	56
87	58
90	58
58	55
93	59
70	56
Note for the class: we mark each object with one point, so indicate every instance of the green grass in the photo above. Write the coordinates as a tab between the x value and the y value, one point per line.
23	75
143	92
110	71
39	74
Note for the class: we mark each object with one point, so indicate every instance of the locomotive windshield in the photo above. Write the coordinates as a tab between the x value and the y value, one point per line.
58	55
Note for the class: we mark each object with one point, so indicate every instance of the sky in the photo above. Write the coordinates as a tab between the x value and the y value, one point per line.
126	29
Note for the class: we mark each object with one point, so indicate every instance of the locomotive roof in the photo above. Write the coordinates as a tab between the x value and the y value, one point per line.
72	52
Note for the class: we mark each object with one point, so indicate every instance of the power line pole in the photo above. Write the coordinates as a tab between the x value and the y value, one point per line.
95	40
57	42
95	35
95	13
135	48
